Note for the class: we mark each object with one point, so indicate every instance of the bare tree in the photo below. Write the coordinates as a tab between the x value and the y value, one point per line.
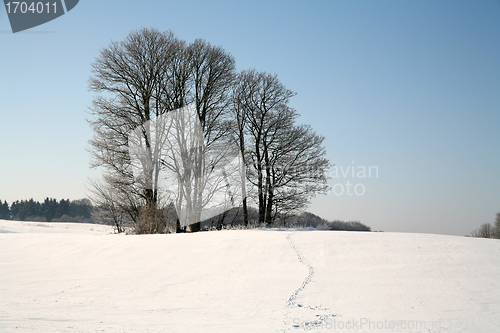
128	76
243	87
148	75
496	227
108	206
212	78
288	166
297	170
261	101
484	231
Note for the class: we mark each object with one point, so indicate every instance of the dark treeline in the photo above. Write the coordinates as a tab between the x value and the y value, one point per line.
233	218
50	210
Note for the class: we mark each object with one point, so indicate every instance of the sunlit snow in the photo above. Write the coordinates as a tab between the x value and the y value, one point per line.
69	277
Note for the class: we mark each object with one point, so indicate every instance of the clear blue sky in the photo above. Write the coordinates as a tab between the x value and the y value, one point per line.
411	87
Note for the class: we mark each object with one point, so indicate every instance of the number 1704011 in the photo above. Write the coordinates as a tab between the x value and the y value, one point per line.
23	7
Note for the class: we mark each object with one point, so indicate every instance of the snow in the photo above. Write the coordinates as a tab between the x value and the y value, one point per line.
71	277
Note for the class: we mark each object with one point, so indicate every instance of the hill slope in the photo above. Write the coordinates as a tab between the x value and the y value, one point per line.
69	278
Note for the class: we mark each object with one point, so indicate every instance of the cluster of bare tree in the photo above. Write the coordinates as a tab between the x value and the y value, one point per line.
487	230
156	155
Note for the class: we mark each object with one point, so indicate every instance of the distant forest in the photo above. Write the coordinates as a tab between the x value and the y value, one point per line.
82	210
50	210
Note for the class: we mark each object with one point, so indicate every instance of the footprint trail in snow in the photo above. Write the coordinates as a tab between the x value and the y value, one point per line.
299	315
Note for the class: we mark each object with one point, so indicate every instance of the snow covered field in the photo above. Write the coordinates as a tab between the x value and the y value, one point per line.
68	277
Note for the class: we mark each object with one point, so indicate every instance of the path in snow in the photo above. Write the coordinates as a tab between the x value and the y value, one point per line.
401	282
317	315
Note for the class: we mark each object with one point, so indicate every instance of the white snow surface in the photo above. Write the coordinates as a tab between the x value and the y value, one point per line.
72	277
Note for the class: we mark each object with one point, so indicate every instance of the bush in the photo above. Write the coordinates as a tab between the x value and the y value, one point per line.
151	221
347	226
77	219
35	219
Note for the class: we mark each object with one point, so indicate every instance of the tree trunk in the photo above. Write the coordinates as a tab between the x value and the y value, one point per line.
260	184
243	177
178	226
269	188
245	212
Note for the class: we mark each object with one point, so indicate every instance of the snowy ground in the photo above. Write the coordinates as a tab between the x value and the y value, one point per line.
70	277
